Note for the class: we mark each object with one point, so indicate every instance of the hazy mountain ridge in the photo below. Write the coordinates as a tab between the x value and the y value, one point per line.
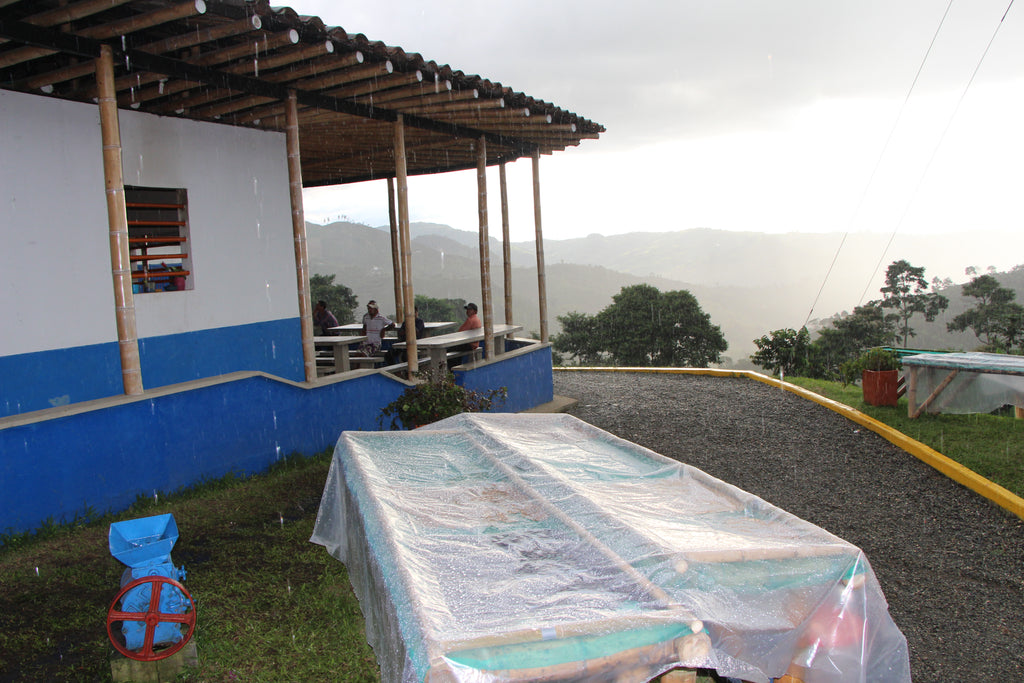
749	283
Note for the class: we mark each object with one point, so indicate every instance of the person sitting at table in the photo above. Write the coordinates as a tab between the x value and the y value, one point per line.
325	319
374	325
399	356
472	322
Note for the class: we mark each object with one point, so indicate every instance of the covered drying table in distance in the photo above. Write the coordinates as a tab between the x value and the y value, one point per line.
497	547
964	383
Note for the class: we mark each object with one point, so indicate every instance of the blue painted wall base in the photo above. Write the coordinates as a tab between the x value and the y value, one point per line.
103	458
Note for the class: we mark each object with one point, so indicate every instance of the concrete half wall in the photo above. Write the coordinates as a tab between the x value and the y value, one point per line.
99	458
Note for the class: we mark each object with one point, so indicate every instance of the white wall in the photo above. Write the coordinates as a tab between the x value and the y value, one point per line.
53	223
54	256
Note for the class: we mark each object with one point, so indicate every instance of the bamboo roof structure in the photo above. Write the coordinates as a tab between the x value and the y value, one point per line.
235	61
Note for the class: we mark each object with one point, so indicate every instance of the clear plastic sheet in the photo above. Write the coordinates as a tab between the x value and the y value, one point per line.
983	381
498	547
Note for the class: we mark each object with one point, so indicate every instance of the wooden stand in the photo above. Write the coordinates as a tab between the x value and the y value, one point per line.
123	669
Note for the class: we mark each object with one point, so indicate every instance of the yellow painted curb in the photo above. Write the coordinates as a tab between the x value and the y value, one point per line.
951	468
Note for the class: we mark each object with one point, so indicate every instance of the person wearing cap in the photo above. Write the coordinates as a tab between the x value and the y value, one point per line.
374	325
472	322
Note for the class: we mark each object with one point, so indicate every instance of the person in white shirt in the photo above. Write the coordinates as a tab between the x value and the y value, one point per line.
374	325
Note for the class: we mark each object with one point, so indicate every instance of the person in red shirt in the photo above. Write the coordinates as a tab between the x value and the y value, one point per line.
472	322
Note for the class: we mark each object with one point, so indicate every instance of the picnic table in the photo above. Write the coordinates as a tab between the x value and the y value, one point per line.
964	383
501	547
339	349
438	347
358	327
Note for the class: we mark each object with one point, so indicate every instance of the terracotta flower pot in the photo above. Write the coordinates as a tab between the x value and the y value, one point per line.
879	387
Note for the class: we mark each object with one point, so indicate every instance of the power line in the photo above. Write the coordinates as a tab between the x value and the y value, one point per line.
935	150
878	162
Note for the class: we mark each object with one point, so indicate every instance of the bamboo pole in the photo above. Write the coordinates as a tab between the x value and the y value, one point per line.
506	244
117	220
396	253
402	180
485	255
299	233
542	292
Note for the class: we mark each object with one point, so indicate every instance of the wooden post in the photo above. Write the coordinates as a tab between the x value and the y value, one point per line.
401	177
485	254
542	291
291	130
506	245
117	221
396	253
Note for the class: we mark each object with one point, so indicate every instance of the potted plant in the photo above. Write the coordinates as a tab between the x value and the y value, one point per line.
434	399
880	376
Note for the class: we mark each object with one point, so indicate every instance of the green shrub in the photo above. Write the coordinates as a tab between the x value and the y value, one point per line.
873	359
435	399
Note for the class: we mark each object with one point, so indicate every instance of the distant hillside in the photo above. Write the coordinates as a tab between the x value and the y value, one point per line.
749	283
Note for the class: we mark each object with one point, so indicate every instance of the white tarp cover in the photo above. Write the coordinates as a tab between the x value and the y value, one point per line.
983	381
505	547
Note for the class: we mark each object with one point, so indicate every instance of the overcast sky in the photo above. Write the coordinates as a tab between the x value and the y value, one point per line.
779	116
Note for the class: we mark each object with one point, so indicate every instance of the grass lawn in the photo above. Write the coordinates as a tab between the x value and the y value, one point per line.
270	605
991	445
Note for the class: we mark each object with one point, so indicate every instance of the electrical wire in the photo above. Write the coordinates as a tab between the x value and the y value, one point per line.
935	152
878	162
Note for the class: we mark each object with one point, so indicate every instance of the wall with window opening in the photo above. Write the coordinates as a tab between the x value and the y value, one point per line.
158	239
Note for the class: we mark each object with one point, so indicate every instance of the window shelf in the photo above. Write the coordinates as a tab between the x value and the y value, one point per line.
158	240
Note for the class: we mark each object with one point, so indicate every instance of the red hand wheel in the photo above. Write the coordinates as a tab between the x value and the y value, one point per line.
152	617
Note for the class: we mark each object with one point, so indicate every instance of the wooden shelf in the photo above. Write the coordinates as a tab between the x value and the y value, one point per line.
153	205
143	242
158	257
161	274
157	224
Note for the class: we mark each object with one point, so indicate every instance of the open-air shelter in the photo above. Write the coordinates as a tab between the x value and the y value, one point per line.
154	155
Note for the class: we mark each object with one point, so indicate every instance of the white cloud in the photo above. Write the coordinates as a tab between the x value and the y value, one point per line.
729	114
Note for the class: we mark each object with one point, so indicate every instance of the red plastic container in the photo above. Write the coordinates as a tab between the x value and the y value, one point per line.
880	387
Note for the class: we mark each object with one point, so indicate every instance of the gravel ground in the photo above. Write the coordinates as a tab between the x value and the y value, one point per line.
951	564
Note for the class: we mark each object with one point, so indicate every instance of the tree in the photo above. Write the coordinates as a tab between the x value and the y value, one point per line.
905	291
440	309
339	299
783	350
578	338
646	327
995	319
866	327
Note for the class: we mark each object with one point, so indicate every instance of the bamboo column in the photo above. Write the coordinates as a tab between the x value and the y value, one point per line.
291	130
506	244
396	253
542	290
402	180
485	255
117	221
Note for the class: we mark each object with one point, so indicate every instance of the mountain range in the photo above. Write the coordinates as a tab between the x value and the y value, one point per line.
748	282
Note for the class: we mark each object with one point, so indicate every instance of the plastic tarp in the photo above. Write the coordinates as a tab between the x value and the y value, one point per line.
497	547
982	382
